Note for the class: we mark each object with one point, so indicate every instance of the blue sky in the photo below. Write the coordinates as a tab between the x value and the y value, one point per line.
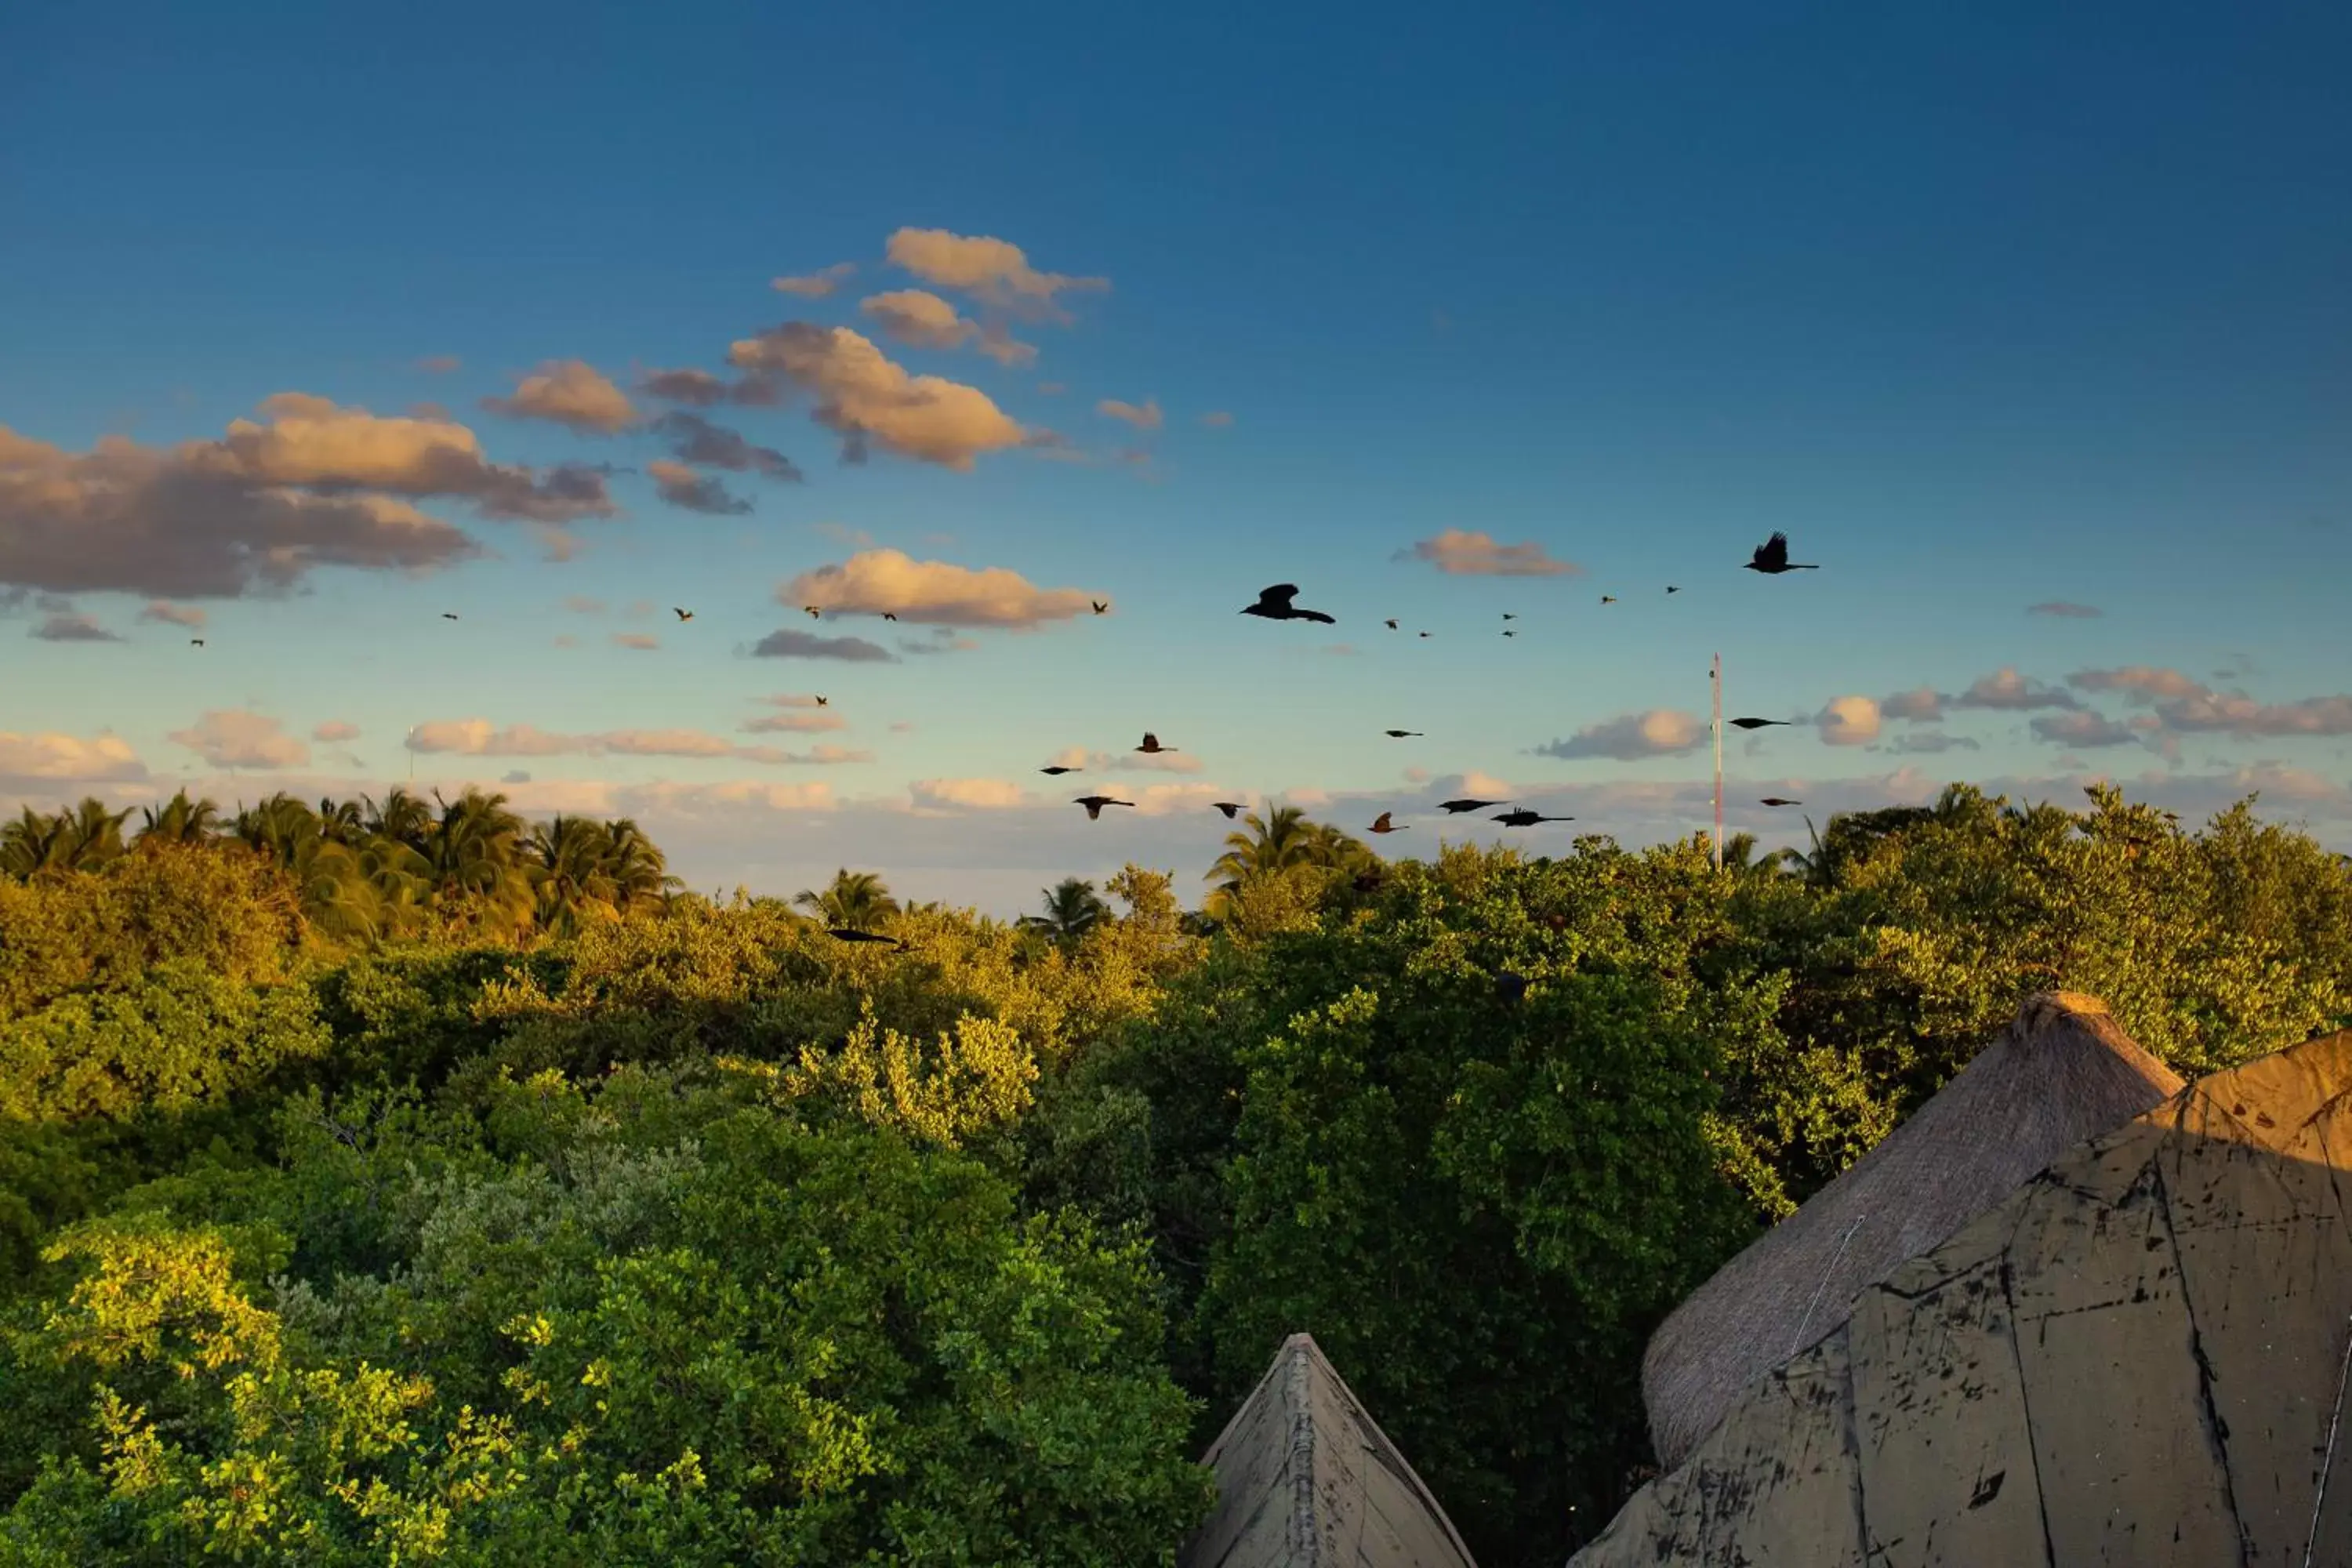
1987	307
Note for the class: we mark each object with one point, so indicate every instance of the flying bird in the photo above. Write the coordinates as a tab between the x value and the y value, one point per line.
1772	558
1391	624
1608	598
1757	723
1383	825
1101	608
888	617
447	617
1672	589
1057	770
1275	605
844	934
196	642
1466	804
813	612
1095	803
1151	746
821	703
1424	633
1523	818
1227	806
1399	734
1509	617
1510	633
1776	800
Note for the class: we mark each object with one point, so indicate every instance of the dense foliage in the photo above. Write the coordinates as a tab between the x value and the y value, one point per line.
381	1183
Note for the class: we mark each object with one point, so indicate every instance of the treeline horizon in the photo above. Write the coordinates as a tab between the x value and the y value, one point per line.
399	1180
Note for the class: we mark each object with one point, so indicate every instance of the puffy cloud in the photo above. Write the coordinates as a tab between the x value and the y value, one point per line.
570	393
967	794
438	364
2139	682
696	440
875	580
1217	419
73	628
1146	416
1848	721
480	738
790	643
233	738
923	320
1659	733
52	757
862	395
334	731
993	270
696	387
1921	705
689	490
814	285
2060	608
2083	729
1463	553
177	615
2007	689
640	641
205	519
817	721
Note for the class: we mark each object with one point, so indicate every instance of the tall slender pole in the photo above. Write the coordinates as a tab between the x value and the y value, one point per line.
1716	679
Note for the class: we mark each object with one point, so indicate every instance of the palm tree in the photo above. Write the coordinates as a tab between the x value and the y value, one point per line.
1278	844
474	862
1072	909
639	874
570	859
402	816
36	844
855	900
180	821
343	821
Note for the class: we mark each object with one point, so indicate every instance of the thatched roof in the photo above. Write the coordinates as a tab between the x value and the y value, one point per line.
2139	1357
1305	1478
2061	1073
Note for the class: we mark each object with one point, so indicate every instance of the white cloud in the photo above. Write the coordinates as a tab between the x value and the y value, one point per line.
233	738
1848	721
50	756
1659	733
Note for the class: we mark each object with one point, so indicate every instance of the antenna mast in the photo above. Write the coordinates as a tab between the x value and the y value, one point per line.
1716	680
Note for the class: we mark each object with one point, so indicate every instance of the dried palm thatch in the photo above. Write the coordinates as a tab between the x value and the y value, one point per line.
2062	1072
2142	1355
1305	1478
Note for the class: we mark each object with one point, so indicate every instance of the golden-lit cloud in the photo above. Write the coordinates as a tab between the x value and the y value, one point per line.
967	794
924	320
689	490
814	722
2084	730
50	756
995	271
1145	415
2191	707
695	439
176	615
1463	553
73	627
863	395
872	582
1848	721
642	642
2140	682
233	738
1659	733
814	285
2006	690
581	604
1920	705
696	387
570	393
334	731
480	738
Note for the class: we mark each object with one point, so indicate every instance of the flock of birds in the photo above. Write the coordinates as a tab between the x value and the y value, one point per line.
1278	602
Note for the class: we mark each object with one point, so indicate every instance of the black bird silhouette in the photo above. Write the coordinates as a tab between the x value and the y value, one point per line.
1509	617
1383	825
1776	800
1399	734
1095	803
888	617
844	934
447	617
1391	624
1151	746
813	612
1275	605
1523	818
1510	633
681	615
1424	633
1227	806
1757	723
1772	558
196	642
1057	770
1466	804
821	703
1101	608
1672	589
1608	598
1510	986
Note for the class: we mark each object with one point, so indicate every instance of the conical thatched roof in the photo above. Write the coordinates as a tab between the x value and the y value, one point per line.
2061	1073
1307	1479
2139	1358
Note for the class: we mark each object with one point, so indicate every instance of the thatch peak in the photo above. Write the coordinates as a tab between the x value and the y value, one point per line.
2061	1073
